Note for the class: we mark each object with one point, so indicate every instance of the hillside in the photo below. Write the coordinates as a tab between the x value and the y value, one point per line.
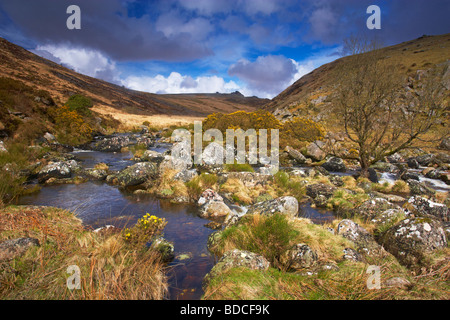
310	95
41	74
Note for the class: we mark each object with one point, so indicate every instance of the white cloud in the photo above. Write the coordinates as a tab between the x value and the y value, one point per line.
177	83
85	61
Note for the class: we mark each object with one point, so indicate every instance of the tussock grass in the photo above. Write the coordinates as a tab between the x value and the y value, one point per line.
110	267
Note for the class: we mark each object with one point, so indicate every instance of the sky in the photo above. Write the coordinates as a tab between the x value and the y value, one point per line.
256	47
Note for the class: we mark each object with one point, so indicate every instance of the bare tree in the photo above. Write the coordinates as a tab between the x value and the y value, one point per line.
378	116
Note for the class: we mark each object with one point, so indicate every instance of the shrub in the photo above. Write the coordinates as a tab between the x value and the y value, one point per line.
301	129
145	230
259	119
80	104
71	127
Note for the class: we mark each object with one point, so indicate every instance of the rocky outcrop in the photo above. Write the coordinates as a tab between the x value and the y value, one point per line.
335	164
186	175
137	174
411	240
11	249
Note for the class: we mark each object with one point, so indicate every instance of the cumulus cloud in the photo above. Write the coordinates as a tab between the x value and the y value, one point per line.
267	74
177	83
89	62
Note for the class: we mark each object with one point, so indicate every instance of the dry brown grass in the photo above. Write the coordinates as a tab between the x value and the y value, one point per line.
110	269
129	120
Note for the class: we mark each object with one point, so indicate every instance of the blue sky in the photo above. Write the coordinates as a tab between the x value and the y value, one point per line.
258	47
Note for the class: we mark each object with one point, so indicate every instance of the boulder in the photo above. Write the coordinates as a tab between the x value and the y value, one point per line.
406	175
418	188
286	205
137	174
298	257
2	147
351	254
96	174
237	258
113	144
152	156
412	163
13	248
173	163
320	193
315	152
214	209
249	179
296	155
433	174
424	207
385	167
49	137
373	208
445	144
58	170
411	239
209	195
394	158
186	175
165	248
426	159
335	164
363	240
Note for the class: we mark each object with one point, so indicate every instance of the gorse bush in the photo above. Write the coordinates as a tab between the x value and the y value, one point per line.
146	229
259	119
80	104
71	127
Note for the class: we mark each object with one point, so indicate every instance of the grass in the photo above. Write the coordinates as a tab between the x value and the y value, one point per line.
18	158
349	282
239	167
110	268
200	183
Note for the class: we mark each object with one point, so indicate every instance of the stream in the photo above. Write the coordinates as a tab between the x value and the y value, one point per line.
99	204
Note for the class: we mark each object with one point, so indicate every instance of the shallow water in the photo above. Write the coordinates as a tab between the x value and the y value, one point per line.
99	204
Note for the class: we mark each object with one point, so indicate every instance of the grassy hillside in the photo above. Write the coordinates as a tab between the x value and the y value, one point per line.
41	74
310	95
